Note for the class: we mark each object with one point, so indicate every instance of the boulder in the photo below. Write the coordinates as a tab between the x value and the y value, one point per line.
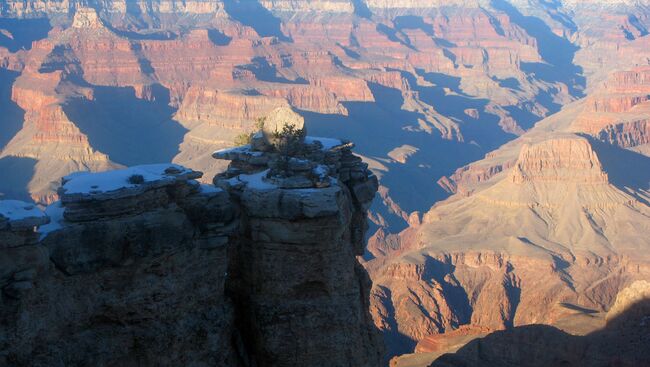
276	122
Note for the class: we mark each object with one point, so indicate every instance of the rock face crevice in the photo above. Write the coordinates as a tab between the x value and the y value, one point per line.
147	267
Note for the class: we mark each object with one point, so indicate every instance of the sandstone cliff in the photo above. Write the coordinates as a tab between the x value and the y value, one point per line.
146	266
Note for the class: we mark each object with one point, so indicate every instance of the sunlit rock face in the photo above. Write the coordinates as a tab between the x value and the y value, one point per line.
547	221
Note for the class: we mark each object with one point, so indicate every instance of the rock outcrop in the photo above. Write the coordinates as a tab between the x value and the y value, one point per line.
127	272
303	224
146	266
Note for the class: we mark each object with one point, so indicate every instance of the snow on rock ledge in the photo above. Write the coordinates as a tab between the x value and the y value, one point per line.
82	186
20	216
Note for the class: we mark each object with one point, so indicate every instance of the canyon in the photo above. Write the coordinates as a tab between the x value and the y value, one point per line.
509	141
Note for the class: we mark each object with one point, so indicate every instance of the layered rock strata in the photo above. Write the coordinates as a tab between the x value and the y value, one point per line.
558	228
125	274
294	274
135	267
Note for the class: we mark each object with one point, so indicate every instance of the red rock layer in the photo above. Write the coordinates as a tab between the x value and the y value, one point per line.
560	160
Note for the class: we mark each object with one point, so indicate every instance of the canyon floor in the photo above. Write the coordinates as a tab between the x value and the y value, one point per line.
511	139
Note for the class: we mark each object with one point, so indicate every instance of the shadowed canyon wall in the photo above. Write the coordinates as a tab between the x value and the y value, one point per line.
146	266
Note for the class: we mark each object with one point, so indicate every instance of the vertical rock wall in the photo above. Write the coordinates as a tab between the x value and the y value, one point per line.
295	275
146	267
127	277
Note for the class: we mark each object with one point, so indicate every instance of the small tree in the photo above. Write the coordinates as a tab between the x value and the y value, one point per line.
288	143
247	138
243	139
289	140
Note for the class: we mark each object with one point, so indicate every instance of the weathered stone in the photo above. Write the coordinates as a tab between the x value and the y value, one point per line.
292	204
148	270
296	164
19	259
28	274
365	191
294	270
145	261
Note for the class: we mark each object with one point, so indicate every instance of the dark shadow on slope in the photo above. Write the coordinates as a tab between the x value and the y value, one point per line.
361	9
638	25
413	22
251	13
525	119
513	292
454	294
218	38
142	36
580	309
394	35
510	83
22	32
266	72
625	168
396	343
11	115
557	51
381	126
16	173
485	131
623	342
130	130
61	58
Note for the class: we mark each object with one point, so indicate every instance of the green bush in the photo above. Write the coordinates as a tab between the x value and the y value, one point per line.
289	140
243	139
247	138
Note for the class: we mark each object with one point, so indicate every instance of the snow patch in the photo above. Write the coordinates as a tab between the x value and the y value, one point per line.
254	181
244	149
95	183
209	189
55	212
15	210
328	143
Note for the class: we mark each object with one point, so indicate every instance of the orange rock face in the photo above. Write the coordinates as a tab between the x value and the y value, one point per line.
552	101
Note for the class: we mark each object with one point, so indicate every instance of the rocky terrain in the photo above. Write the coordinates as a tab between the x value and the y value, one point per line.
544	226
435	79
509	140
621	342
146	266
